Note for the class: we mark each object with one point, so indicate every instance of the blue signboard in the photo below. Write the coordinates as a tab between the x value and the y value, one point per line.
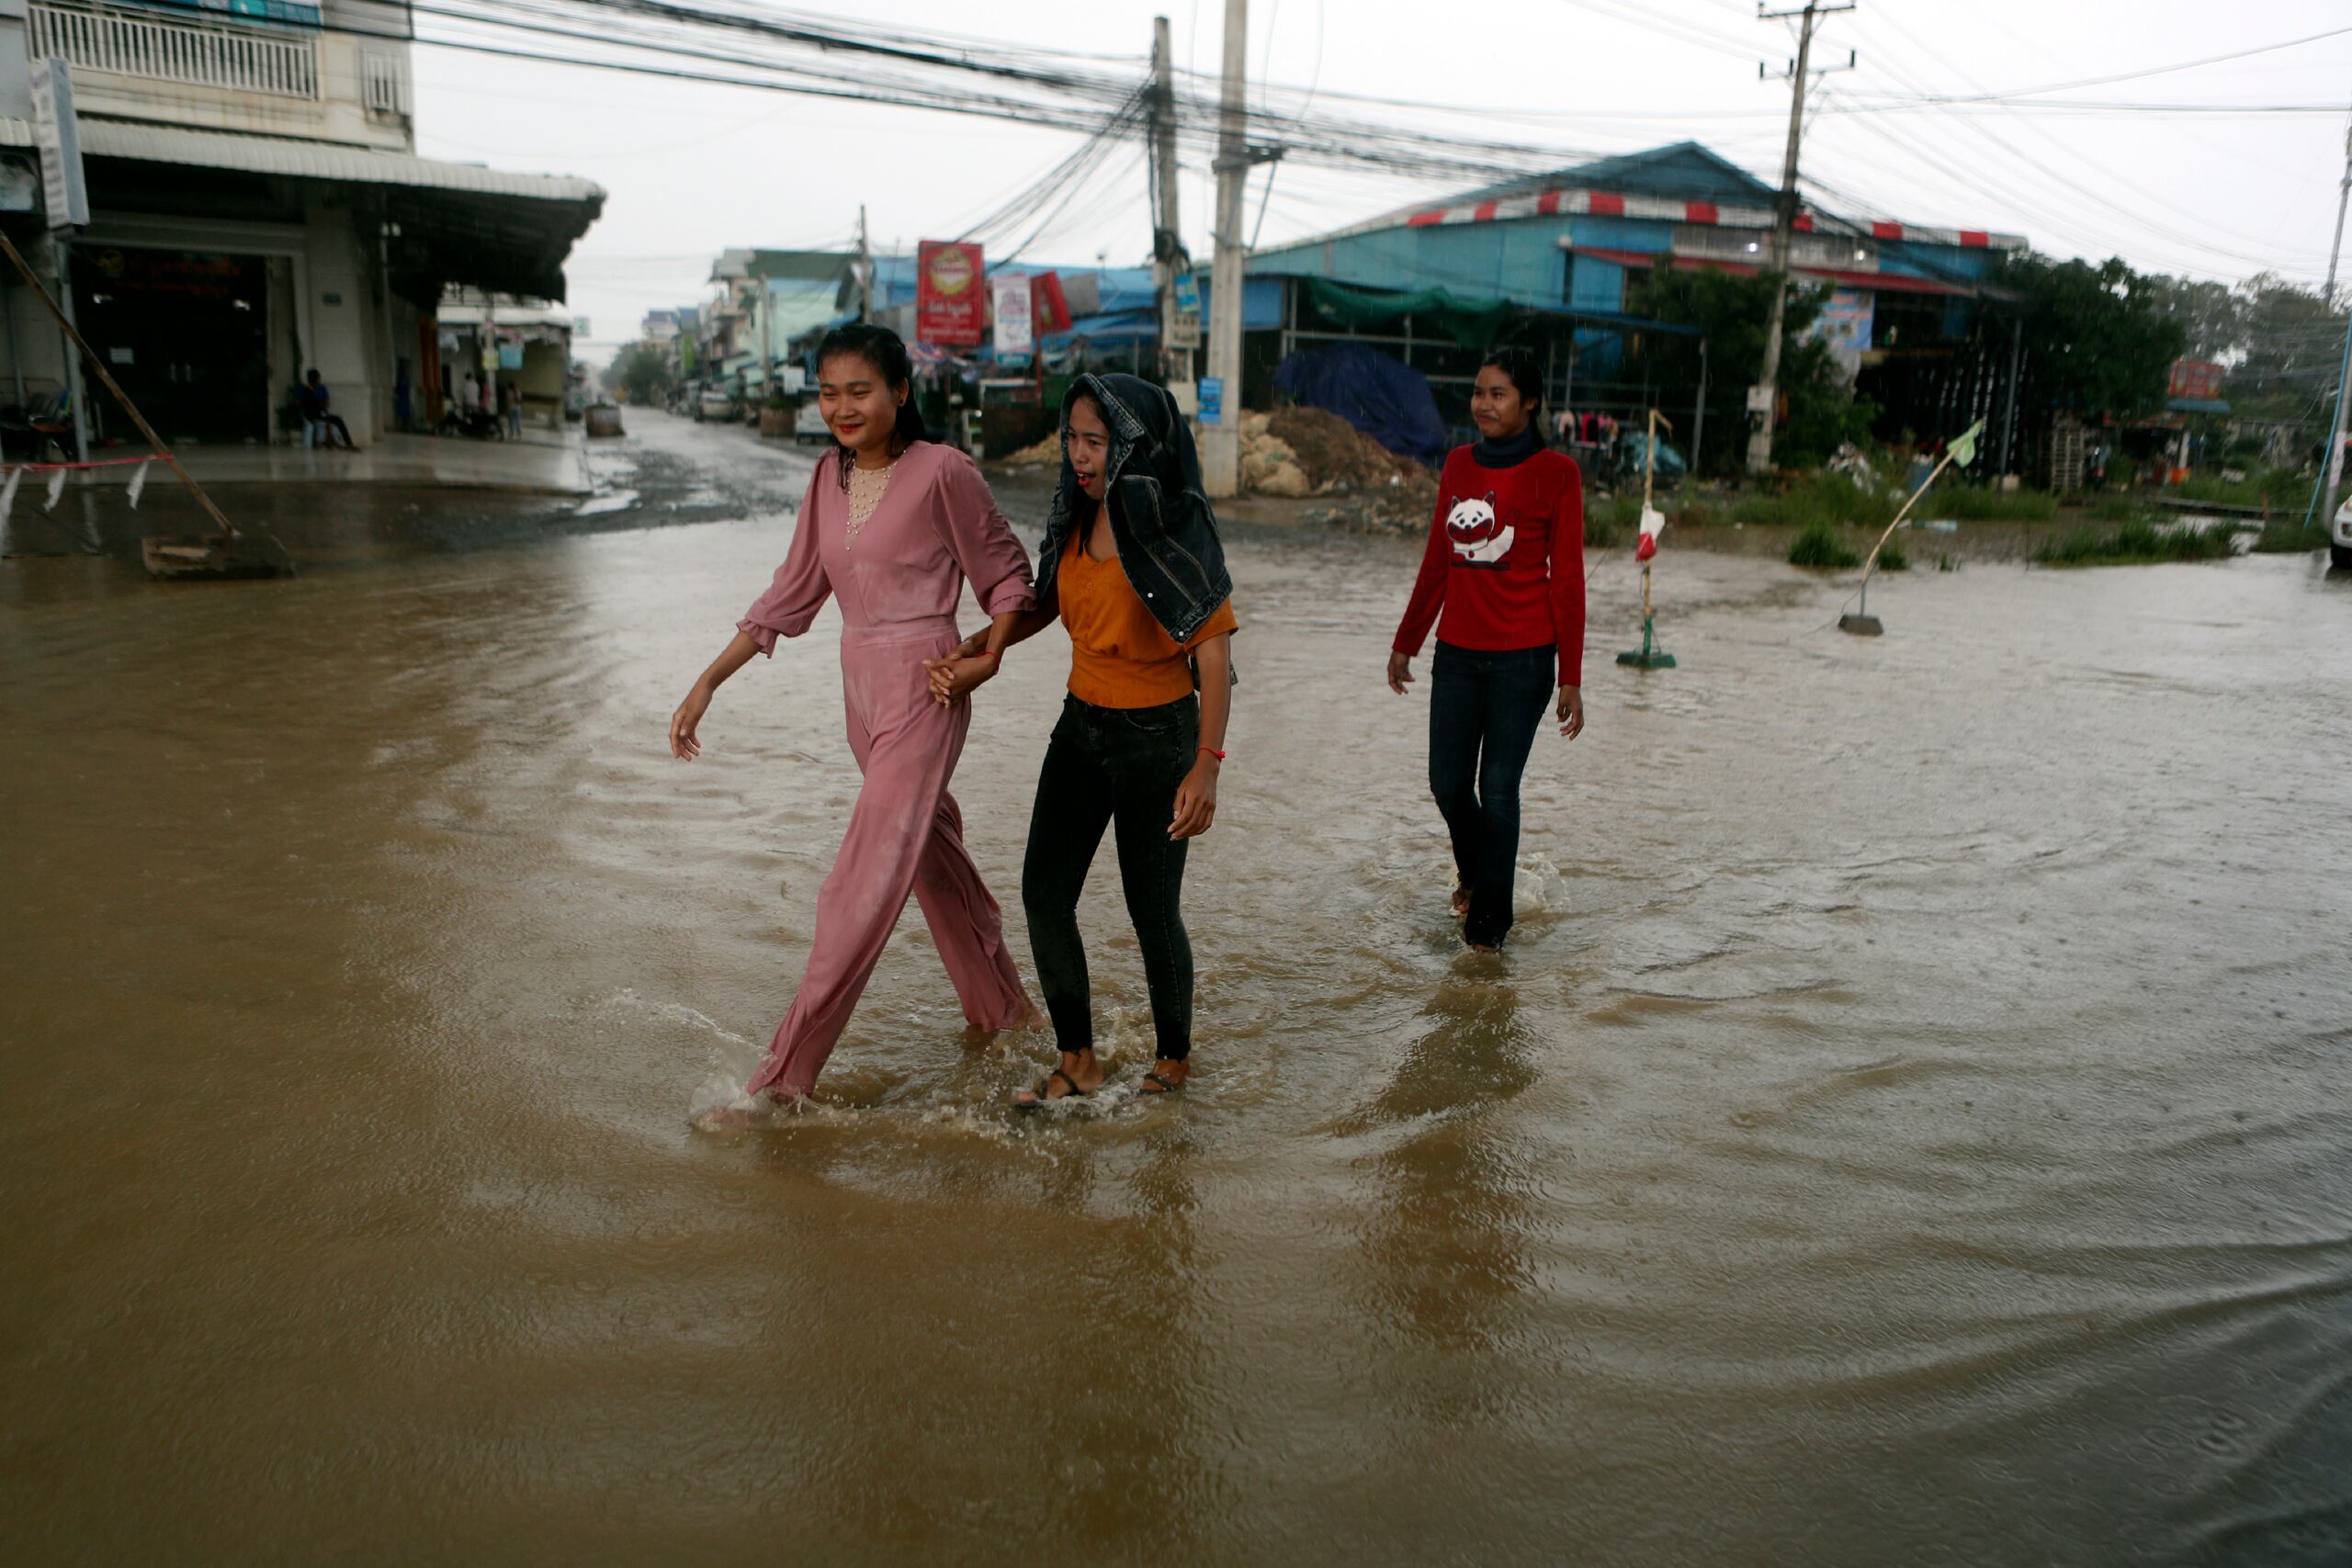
1212	400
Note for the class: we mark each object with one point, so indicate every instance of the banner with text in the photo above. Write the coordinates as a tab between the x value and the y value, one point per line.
1015	318
951	305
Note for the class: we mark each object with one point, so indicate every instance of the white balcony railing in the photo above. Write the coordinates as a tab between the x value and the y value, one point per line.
383	80
244	58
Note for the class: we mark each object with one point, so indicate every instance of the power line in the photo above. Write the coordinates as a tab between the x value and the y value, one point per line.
1994	97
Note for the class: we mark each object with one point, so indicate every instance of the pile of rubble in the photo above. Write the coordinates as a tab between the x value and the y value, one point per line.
1302	452
1298	452
1047	450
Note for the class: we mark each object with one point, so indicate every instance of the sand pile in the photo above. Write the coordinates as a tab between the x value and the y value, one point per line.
1048	450
1303	451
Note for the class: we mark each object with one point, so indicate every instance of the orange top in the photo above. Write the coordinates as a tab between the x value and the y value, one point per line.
1121	656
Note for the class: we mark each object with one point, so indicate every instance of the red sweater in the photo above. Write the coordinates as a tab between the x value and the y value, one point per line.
1505	561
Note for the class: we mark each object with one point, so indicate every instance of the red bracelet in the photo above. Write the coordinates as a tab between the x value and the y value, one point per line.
1212	752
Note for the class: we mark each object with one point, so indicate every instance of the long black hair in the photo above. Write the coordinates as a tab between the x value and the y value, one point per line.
887	351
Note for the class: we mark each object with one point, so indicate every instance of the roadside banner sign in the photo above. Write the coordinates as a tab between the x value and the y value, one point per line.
951	298
1050	306
63	194
1212	400
1016	323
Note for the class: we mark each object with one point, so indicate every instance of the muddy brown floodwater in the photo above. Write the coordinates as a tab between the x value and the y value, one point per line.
1913	1122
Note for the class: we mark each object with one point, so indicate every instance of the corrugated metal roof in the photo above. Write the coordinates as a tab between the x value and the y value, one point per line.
304	160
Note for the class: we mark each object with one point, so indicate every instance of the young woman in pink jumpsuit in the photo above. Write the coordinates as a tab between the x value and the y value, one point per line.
893	526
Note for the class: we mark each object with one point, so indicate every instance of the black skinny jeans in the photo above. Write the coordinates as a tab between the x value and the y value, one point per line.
1108	766
1484	711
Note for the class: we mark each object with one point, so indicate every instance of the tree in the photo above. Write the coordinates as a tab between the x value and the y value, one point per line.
1730	310
641	372
2291	348
2098	338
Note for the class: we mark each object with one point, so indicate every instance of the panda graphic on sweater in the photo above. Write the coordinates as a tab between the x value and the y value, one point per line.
1481	540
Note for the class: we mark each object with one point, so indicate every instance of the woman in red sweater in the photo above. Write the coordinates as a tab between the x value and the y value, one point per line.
1505	564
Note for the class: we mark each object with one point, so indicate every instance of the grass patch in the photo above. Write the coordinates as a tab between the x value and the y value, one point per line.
1612	521
2137	543
2288	536
1982	504
1816	545
1891	556
2280	486
2116	508
1817	501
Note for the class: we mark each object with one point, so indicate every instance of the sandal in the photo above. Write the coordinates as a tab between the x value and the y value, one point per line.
1165	1086
1039	1098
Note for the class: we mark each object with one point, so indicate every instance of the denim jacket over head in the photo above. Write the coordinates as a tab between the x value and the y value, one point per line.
1159	513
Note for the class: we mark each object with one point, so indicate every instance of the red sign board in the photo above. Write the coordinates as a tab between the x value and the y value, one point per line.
951	293
1048	306
2196	379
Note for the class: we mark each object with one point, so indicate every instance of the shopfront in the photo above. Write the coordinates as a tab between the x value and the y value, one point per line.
187	335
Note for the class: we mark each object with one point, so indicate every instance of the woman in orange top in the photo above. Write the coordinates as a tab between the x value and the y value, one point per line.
1131	566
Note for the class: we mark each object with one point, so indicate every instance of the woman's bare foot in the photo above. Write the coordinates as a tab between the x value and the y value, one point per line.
756	1112
1167	1075
1461	903
1079	1073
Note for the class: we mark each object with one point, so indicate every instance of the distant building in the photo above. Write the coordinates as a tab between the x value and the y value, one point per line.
257	210
1562	250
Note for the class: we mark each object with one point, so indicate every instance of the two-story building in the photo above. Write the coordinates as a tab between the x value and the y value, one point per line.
257	210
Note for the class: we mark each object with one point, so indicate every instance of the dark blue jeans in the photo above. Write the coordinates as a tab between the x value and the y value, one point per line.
1483	712
1106	767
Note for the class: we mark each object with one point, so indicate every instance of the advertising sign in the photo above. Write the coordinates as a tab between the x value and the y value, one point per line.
1049	307
951	298
1212	400
1845	323
1015	324
59	137
2196	379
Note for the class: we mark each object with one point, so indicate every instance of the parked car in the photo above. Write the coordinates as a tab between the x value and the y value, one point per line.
718	403
808	423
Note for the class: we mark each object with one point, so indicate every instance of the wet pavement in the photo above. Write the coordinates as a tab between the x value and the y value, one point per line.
1913	1122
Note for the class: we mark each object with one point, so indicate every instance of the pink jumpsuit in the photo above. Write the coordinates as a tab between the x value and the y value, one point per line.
899	582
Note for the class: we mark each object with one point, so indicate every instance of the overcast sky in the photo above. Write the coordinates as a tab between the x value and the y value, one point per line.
693	168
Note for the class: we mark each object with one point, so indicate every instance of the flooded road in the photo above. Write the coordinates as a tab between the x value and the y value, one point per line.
1913	1122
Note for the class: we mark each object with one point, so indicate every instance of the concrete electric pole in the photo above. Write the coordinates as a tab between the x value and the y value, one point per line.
2342	194
2335	465
1221	442
1767	392
864	270
1178	335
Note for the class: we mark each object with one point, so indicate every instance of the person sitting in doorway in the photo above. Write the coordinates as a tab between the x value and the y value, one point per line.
322	425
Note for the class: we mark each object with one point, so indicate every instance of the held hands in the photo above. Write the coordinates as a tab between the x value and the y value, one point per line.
683	744
1572	710
1195	799
956	672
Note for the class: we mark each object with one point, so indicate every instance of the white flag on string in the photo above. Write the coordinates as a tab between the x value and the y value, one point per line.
56	489
8	492
138	483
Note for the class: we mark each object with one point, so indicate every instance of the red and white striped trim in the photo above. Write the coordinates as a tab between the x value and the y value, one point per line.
1665	209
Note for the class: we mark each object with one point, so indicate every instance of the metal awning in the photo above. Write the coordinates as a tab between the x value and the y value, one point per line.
456	223
1877	282
320	161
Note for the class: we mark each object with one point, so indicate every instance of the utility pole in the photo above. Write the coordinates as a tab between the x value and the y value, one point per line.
864	269
2335	465
1767	390
2343	194
1167	238
1221	442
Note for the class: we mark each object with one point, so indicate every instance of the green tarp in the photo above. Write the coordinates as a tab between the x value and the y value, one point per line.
1472	323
